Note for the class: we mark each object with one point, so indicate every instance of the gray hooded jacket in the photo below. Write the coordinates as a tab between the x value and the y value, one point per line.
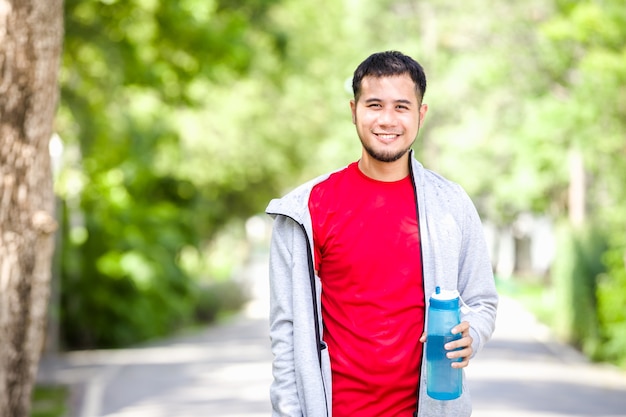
454	256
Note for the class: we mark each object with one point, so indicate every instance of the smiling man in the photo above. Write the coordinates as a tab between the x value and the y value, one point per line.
388	113
354	256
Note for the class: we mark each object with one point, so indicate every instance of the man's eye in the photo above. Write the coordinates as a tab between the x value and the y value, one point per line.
374	105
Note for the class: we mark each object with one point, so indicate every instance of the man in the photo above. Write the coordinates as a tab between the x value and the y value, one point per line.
356	253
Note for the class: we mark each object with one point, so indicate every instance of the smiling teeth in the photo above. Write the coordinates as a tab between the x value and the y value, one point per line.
386	136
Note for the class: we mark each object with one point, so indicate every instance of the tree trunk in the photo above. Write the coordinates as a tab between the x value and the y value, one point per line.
31	33
577	188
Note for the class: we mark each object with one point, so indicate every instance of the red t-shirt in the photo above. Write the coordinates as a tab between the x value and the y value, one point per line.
367	254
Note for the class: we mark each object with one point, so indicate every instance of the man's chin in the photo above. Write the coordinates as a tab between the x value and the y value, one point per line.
386	156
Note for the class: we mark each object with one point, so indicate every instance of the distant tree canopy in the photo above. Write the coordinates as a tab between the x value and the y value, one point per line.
587	40
161	153
180	117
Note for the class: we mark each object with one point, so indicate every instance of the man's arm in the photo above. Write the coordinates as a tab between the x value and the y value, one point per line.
476	284
283	391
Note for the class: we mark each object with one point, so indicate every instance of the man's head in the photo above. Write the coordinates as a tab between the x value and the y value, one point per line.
386	64
387	111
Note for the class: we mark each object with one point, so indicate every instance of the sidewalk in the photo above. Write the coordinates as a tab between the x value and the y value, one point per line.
225	371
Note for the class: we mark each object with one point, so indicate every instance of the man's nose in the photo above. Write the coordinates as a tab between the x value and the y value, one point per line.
386	117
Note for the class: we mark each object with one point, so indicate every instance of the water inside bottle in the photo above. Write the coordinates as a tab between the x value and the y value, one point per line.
444	381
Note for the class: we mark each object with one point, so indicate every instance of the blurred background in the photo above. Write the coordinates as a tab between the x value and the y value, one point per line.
180	119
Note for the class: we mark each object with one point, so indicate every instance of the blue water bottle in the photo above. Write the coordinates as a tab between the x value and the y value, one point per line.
443	382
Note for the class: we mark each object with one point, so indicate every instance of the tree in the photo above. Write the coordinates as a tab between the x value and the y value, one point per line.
157	110
587	44
31	34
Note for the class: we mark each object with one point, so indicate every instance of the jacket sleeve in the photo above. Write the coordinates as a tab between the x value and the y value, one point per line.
476	281
283	390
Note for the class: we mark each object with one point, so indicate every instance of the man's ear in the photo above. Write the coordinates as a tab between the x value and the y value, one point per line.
353	109
423	110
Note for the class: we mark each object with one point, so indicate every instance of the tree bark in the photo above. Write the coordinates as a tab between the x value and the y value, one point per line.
31	34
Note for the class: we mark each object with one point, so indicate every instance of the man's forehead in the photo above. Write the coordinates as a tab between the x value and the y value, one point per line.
386	87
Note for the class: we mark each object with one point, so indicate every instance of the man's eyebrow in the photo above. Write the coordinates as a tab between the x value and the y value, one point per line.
403	101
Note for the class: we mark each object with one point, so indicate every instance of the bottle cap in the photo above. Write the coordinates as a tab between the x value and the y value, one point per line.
445	299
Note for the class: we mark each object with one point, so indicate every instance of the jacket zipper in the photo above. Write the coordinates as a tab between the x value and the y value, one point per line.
316	318
309	254
419	232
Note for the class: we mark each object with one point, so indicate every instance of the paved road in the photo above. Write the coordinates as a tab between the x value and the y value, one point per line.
225	371
523	372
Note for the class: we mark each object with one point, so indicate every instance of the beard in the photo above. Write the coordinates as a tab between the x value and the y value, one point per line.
386	156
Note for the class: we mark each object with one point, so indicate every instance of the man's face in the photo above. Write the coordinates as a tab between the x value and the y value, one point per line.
387	116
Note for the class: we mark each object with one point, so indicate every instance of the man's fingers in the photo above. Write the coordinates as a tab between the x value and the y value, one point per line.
459	343
461	364
462	349
462	328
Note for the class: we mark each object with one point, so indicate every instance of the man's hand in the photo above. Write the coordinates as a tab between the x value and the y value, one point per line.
464	343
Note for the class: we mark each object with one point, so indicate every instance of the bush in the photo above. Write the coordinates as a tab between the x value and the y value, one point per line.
120	281
611	302
577	265
220	297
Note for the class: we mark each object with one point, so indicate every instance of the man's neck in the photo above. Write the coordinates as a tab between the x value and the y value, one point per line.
384	171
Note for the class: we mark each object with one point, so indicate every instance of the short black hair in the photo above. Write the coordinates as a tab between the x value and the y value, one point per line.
389	63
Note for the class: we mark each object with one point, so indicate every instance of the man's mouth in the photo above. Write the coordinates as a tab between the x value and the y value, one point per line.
386	137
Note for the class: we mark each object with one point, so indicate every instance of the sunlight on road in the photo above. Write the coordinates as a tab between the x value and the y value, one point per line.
524	372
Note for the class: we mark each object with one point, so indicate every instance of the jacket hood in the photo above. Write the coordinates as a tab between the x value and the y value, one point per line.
295	203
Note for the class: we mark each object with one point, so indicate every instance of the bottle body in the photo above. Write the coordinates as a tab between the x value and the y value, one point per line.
443	381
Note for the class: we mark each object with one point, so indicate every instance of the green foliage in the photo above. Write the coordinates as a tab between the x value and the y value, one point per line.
217	298
49	401
158	155
611	302
586	40
575	273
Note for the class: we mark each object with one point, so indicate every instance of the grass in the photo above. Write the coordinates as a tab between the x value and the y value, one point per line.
49	401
